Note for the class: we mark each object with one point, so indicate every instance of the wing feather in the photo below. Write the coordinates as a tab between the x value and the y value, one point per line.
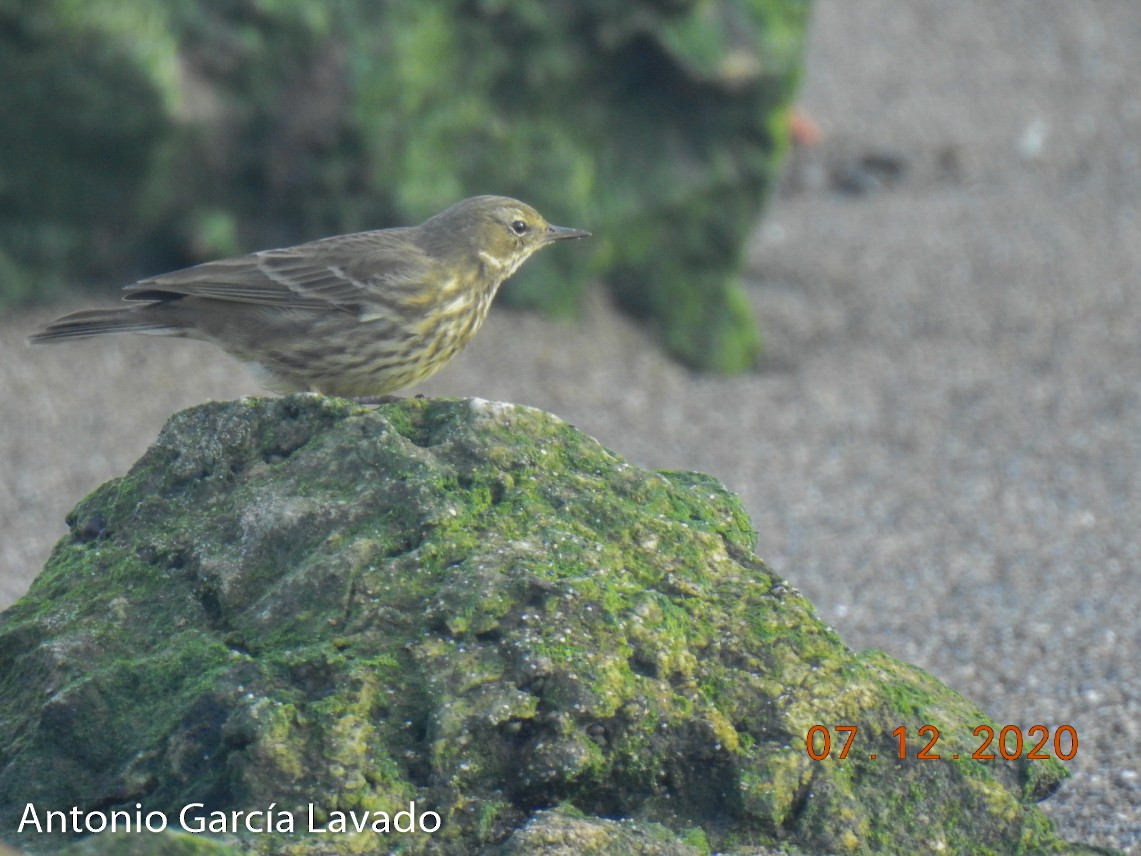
367	272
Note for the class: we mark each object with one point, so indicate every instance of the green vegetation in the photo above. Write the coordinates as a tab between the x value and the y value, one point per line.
142	136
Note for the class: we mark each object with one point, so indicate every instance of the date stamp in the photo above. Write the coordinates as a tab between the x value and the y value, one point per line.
1010	744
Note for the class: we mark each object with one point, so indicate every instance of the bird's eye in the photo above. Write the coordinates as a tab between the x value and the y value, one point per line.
520	227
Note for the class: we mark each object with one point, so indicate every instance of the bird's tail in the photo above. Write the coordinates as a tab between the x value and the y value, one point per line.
99	322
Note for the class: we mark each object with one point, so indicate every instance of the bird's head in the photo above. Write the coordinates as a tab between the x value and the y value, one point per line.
497	232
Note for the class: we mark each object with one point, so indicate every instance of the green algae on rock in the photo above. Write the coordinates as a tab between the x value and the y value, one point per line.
473	607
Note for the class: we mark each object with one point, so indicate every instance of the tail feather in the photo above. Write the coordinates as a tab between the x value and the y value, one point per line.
99	322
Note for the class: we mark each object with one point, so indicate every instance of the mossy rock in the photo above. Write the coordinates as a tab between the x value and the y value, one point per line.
141	136
476	608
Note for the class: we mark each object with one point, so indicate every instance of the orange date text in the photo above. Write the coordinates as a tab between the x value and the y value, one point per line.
1008	742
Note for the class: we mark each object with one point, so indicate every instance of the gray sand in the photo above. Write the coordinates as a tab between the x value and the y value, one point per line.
943	449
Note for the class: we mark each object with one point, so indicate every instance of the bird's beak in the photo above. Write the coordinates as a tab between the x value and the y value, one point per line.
562	233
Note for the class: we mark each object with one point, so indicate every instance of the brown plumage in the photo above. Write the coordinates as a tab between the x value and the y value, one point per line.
365	314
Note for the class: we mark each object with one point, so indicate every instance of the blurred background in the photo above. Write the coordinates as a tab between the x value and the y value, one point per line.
919	363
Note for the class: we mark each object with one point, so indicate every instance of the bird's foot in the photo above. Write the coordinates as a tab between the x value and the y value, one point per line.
374	400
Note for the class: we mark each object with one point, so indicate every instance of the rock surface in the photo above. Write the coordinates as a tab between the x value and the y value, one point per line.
307	608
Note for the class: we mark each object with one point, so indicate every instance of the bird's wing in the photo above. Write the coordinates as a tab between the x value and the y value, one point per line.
358	273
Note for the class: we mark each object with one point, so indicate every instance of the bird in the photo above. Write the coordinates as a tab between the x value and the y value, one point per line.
361	315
